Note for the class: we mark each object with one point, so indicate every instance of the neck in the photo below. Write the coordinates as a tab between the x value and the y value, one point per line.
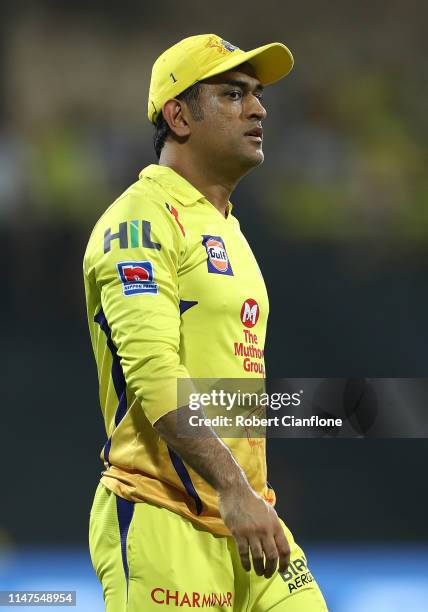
211	183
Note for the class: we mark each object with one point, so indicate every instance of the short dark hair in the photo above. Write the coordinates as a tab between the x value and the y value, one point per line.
162	129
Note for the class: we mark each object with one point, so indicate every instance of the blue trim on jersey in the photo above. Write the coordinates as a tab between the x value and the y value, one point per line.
184	475
107	447
186	304
125	512
120	387
117	377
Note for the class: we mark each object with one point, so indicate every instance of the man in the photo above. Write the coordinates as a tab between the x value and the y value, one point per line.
171	287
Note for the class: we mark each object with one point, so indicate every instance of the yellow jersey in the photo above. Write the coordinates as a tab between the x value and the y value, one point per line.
173	291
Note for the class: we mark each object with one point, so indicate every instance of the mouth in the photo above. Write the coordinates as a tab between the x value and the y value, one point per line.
256	134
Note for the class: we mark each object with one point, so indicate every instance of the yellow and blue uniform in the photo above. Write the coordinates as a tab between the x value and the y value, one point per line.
172	291
198	281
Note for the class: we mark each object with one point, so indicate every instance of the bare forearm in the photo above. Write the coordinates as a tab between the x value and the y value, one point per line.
253	523
203	451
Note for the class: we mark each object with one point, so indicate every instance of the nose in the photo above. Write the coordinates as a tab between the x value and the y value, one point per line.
256	108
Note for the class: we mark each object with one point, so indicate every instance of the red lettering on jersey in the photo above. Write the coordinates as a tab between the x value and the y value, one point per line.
154	592
207	600
185	600
169	596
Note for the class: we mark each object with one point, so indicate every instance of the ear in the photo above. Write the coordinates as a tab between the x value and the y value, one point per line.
176	115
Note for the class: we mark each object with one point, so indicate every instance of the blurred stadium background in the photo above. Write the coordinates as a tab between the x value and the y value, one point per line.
337	216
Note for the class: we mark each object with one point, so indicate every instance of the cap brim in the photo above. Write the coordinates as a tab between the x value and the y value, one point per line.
271	63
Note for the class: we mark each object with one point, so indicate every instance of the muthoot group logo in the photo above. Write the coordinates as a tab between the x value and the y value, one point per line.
240	399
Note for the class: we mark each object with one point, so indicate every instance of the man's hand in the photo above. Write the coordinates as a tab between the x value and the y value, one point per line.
256	527
253	523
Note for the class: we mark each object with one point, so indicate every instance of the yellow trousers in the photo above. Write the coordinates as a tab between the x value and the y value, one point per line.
148	558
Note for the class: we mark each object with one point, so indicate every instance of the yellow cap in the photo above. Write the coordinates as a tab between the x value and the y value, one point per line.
200	57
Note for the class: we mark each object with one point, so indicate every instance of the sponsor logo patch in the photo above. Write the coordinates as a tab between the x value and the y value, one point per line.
222	46
297	574
193	599
132	238
218	261
250	312
137	277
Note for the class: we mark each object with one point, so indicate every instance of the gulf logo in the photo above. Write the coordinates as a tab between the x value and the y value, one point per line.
217	255
218	261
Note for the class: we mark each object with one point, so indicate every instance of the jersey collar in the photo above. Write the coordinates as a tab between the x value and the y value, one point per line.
175	184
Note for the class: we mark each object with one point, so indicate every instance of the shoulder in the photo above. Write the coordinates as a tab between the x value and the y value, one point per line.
139	216
142	198
234	222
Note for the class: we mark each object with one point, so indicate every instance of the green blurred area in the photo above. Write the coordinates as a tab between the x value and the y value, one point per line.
382	190
346	139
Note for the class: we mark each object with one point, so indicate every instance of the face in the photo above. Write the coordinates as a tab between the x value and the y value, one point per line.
230	133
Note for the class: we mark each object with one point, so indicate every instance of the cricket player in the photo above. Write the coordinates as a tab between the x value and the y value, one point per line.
174	292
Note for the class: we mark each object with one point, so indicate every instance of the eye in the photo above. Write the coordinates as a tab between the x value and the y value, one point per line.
259	96
235	94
